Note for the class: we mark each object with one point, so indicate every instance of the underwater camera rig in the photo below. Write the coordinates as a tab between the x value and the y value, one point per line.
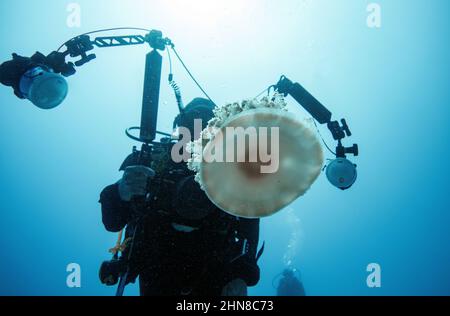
39	78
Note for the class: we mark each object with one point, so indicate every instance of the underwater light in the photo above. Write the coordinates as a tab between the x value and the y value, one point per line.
341	173
43	88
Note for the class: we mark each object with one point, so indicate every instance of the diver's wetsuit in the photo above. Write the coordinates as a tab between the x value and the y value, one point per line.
171	261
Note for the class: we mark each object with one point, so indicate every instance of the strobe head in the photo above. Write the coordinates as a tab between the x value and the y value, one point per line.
44	88
341	173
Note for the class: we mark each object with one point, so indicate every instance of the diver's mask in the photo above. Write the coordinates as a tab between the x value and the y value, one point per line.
198	109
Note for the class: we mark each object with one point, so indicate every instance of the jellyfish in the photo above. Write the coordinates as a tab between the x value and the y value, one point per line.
256	176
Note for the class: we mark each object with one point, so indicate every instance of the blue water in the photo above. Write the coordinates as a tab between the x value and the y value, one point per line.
391	83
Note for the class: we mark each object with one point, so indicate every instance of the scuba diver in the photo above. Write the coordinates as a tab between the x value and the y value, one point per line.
290	285
181	243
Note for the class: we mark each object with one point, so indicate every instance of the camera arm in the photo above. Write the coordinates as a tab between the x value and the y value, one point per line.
12	70
80	45
319	112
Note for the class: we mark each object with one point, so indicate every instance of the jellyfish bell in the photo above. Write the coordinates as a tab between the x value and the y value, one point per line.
259	188
241	189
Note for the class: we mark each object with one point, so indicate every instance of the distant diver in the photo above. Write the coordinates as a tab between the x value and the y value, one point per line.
184	244
290	285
